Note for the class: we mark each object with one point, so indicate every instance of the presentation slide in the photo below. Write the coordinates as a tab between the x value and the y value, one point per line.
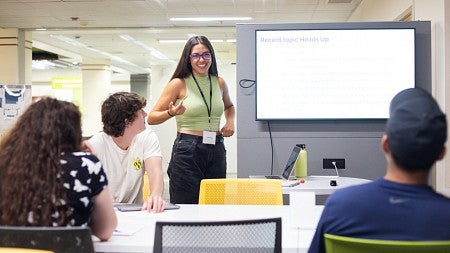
331	74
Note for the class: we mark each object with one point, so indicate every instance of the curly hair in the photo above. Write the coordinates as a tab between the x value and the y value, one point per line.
184	67
31	175
120	109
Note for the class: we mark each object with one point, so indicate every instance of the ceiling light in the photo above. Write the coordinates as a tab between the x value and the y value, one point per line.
108	55
152	50
205	19
69	40
127	37
42	64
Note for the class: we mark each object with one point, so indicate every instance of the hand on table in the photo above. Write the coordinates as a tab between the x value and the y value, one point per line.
154	204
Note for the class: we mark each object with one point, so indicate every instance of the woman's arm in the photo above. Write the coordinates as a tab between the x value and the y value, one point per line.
103	217
229	110
164	108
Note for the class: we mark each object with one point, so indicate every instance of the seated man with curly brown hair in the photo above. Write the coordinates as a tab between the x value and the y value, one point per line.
127	149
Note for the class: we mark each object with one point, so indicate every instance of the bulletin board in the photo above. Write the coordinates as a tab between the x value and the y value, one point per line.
14	99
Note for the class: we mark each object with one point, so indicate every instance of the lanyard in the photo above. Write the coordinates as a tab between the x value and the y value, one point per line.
208	108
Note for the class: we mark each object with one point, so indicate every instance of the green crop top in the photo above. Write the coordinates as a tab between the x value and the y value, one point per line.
196	115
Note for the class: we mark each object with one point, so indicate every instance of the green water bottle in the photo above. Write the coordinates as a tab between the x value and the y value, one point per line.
301	165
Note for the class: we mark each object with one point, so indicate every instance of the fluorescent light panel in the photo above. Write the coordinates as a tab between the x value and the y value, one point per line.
112	57
205	19
184	41
152	50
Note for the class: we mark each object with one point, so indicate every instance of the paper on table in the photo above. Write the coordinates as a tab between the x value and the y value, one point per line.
127	230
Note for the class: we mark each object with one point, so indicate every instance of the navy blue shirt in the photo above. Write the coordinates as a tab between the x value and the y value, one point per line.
386	210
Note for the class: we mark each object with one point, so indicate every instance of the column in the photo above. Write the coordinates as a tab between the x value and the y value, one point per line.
96	88
140	83
15	68
15	56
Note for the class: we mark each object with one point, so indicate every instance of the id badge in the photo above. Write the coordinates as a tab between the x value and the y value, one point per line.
209	137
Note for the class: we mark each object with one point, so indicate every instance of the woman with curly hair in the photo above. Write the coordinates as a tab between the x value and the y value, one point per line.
45	178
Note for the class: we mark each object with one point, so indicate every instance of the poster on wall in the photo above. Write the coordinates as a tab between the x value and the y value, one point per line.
68	89
14	99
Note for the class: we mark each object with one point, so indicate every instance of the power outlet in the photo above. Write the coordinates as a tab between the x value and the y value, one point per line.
340	163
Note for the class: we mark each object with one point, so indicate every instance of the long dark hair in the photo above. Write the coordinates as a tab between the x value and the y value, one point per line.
31	176
184	68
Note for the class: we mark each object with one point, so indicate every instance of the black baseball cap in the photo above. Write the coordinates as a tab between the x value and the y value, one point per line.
416	129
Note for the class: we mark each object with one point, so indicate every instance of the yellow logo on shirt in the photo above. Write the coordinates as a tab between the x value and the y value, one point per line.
137	164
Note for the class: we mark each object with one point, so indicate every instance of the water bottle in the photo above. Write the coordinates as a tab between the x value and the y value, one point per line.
301	165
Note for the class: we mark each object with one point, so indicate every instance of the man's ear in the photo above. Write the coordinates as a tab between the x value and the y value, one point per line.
385	144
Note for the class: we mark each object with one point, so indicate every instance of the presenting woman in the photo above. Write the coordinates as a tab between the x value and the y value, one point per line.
197	97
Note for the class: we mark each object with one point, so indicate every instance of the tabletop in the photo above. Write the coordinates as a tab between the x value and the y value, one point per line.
322	185
135	231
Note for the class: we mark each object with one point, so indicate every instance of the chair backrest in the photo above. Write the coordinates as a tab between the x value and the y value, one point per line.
262	235
241	191
56	239
343	244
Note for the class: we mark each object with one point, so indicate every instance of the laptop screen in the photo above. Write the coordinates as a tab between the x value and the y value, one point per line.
291	162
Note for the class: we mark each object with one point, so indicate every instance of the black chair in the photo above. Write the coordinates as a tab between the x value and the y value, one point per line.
56	239
260	235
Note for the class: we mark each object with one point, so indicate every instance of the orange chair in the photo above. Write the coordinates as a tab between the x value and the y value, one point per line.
241	191
145	188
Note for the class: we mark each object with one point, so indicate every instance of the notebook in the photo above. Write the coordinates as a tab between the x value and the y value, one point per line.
289	165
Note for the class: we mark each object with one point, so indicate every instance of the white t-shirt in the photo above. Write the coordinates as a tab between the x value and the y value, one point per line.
125	168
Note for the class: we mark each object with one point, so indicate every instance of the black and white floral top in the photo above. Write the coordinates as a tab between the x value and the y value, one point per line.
84	178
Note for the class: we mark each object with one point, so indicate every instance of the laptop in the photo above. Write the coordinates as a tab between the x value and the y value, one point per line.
289	166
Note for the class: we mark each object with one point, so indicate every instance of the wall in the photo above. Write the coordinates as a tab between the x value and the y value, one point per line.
439	15
438	12
355	141
381	10
369	10
42	81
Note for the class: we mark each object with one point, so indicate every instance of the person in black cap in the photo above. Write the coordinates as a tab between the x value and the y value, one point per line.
401	205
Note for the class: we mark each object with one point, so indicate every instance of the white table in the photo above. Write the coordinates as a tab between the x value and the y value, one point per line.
137	228
320	185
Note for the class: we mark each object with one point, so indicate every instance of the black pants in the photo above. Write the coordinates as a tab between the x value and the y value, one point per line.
191	162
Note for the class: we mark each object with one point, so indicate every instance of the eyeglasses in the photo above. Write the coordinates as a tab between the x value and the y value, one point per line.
205	56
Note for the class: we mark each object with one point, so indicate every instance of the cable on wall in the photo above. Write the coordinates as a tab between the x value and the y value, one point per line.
271	147
247	83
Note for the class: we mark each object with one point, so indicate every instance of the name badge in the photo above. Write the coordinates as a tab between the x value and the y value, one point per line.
209	137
